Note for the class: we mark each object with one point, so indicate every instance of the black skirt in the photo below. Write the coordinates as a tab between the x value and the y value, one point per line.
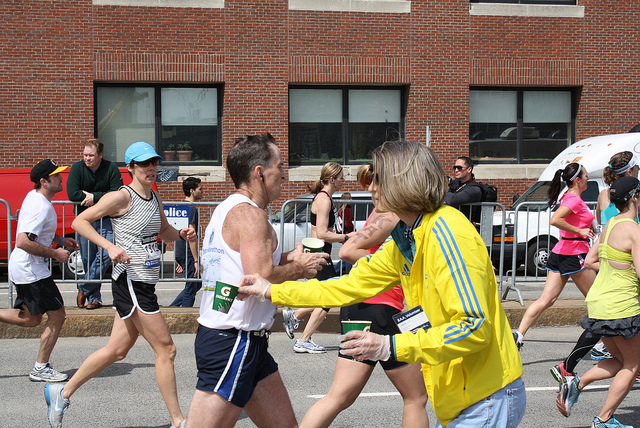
625	327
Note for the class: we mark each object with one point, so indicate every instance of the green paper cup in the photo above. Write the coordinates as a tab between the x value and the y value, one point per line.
224	296
348	326
312	245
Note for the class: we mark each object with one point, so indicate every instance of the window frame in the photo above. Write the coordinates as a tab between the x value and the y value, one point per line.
404	89
157	87
520	119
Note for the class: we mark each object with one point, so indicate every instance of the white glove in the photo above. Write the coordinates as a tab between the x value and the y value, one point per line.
364	345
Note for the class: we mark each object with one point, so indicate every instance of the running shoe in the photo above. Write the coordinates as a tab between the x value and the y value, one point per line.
611	423
600	353
568	395
518	341
309	346
47	374
289	321
559	373
56	402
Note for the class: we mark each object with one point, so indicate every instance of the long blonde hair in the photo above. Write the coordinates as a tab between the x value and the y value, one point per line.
329	170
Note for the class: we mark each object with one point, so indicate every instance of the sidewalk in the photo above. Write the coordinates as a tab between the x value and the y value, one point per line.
568	309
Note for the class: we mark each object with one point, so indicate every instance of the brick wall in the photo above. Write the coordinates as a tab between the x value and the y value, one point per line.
54	50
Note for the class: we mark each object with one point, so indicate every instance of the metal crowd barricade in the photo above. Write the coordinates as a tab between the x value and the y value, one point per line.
293	222
532	238
74	271
489	219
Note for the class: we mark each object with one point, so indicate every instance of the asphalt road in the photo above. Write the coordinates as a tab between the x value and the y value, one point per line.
125	394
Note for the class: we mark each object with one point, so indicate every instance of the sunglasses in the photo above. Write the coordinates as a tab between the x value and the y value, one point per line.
152	161
458	167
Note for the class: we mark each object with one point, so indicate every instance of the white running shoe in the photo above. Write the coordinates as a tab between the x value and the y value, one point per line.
289	321
309	346
47	374
56	402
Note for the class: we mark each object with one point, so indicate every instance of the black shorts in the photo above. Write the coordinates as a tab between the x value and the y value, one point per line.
381	317
129	295
565	264
231	362
39	297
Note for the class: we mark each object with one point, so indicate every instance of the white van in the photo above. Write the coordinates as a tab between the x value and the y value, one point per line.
535	237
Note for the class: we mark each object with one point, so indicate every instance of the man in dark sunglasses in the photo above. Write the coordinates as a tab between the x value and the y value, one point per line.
463	189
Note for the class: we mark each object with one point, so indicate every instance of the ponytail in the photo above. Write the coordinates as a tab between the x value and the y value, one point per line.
568	174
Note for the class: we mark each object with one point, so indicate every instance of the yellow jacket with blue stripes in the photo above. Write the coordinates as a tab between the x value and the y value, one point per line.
469	352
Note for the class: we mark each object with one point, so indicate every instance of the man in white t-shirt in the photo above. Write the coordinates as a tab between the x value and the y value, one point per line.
29	267
235	369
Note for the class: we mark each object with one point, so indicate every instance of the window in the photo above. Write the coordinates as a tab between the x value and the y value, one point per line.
567	2
342	124
181	122
519	126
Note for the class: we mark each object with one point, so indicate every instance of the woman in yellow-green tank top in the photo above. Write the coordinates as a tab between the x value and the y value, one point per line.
612	302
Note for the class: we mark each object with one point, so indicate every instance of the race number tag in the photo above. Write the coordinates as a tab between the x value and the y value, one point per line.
153	253
412	320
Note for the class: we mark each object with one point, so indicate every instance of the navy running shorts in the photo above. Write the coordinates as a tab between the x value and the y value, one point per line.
381	317
129	295
39	297
565	264
231	362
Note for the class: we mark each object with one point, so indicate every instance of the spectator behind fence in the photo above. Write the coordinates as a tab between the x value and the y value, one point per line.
187	259
89	180
29	267
464	189
471	366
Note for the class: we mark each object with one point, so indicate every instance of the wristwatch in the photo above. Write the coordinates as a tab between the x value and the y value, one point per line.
346	238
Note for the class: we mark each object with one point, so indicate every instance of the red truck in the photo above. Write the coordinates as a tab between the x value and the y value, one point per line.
14	186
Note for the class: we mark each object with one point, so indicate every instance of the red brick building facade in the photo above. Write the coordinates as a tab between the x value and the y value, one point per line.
54	53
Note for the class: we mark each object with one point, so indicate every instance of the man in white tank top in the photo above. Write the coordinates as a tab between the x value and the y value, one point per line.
235	370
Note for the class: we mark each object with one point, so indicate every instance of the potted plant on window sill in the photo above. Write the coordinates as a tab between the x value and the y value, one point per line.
184	151
169	153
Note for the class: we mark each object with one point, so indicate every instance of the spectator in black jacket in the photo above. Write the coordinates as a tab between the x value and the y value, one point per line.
464	189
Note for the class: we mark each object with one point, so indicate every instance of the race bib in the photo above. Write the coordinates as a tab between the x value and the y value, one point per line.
152	252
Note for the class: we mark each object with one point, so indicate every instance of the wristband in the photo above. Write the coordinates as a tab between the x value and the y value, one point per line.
60	241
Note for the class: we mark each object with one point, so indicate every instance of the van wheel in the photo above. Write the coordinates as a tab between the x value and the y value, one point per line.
537	257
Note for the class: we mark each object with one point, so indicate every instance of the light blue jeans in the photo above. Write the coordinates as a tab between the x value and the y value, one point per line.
95	260
502	409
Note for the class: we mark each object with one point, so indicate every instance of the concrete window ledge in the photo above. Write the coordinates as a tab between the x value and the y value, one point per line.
547	11
203	4
510	171
377	6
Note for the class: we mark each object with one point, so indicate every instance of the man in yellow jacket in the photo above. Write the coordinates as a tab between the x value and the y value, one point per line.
458	329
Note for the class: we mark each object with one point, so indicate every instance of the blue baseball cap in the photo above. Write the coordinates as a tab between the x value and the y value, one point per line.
140	152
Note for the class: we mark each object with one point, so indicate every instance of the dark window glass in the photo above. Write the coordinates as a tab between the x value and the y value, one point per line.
341	124
181	122
519	126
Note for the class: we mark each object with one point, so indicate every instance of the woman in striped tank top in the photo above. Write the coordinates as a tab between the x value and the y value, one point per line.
138	220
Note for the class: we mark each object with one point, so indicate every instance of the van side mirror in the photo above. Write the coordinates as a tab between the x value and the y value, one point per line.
515	198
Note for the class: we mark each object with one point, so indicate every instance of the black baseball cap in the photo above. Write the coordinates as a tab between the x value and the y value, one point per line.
44	169
623	189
